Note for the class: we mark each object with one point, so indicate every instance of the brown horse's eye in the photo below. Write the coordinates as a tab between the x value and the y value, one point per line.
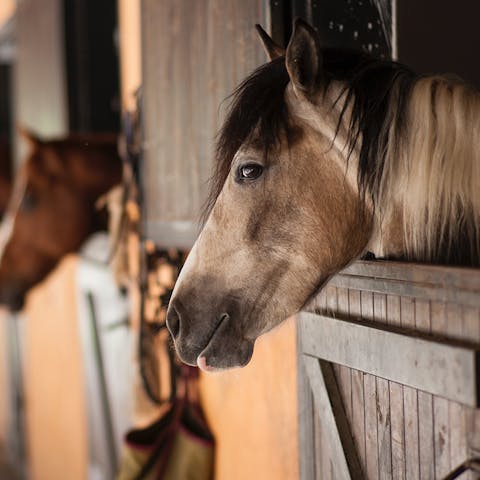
29	202
250	171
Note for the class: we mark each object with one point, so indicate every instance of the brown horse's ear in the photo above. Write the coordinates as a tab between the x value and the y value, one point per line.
304	58
272	49
32	139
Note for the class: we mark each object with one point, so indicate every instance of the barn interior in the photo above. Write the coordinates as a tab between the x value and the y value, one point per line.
86	362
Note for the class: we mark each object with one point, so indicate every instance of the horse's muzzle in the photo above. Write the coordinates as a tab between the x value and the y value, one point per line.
210	341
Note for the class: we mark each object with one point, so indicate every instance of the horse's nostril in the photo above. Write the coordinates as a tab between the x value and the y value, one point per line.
173	322
223	317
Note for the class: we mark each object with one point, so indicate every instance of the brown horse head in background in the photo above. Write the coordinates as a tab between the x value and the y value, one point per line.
52	208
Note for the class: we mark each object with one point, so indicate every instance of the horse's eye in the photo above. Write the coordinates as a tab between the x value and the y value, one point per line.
29	202
250	171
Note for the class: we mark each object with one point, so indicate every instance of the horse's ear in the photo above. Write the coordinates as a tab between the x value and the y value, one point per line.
31	138
304	58
272	49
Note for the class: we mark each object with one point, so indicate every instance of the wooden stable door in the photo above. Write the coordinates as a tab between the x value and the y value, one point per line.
388	374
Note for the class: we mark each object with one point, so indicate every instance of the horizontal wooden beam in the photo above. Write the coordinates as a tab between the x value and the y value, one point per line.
439	368
437	292
419	273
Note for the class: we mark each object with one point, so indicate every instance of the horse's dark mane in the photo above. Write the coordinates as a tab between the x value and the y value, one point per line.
258	107
257	104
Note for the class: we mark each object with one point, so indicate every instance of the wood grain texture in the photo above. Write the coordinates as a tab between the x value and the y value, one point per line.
194	55
370	392
457	412
358	395
425	403
444	369
410	401
343	455
418	435
383	403
344	374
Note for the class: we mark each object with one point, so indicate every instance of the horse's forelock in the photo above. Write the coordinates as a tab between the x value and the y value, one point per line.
256	115
258	112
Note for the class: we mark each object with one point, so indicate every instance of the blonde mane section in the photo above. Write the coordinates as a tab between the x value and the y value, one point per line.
432	168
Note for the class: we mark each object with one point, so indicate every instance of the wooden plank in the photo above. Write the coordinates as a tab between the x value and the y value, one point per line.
396	403
410	289
337	305
370	396
180	47
320	460
306	434
358	397
384	430
383	403
440	405
425	403
452	277
328	401
331	298
344	374
371	434
438	368
456	413
471	328
410	401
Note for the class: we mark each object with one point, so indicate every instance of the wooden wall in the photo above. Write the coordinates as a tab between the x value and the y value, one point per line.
194	54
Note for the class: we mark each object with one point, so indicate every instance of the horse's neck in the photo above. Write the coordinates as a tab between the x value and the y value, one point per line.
429	199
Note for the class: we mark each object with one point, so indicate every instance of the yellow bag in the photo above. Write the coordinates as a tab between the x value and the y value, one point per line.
178	446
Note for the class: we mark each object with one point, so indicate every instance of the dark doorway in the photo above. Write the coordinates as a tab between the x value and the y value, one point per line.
92	65
440	37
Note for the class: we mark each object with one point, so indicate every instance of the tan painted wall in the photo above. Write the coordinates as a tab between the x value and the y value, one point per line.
253	412
56	421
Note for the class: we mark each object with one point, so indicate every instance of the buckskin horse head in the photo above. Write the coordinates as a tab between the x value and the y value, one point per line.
324	155
52	210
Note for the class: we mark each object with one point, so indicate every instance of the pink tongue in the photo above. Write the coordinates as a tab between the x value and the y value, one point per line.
202	365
